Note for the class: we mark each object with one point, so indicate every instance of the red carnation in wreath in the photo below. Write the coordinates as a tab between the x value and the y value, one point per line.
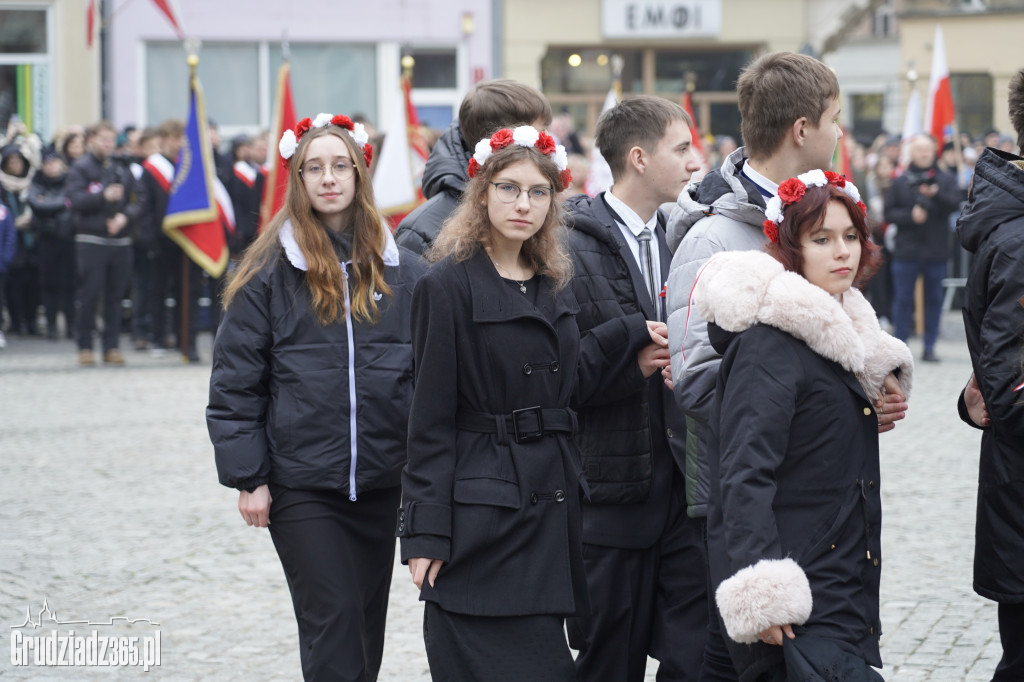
771	230
343	121
473	168
545	143
792	191
303	126
501	139
861	206
565	177
367	154
835	179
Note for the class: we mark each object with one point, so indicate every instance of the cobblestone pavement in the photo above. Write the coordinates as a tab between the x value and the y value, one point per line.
111	507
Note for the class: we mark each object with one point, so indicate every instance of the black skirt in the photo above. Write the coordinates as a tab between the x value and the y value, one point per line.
463	648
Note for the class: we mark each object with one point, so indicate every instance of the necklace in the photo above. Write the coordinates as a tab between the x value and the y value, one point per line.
504	273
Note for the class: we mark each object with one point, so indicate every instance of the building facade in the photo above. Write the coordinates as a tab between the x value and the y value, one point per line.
344	57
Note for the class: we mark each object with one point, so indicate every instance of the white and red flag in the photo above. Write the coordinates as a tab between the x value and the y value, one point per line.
940	115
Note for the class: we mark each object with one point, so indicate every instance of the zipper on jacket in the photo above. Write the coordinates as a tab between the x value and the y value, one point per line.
353	440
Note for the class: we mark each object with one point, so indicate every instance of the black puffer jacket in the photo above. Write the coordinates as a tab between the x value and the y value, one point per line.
87	179
927	241
48	199
992	228
280	407
444	180
618	427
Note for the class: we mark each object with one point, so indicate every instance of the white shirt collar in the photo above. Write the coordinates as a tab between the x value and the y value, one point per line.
760	180
633	222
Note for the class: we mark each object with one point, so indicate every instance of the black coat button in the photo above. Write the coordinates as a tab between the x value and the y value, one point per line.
527	369
401	527
670	433
871	484
533	498
559	496
555	367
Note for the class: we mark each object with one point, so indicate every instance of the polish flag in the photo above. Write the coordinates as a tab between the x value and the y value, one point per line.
275	183
696	142
940	116
398	177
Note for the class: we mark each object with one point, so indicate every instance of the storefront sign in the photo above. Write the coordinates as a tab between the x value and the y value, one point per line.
651	19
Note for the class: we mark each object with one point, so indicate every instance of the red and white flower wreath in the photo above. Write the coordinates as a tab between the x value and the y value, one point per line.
524	136
290	139
791	191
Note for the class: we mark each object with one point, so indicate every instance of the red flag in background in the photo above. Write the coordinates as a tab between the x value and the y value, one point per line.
841	158
168	11
697	143
940	117
277	168
90	22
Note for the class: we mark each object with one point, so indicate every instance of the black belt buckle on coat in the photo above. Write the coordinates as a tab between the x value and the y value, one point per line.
521	433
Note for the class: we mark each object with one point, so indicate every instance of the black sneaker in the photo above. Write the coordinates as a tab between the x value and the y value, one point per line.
930	356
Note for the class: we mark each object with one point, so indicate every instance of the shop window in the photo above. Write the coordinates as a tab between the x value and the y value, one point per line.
711	71
336	78
23	31
565	70
972	97
434	69
867	115
229	74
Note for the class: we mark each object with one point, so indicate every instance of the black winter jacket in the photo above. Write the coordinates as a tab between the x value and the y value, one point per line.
631	434
444	180
87	179
280	407
992	228
48	199
928	241
501	512
794	514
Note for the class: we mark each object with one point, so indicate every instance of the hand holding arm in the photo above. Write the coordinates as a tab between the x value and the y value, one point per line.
421	568
255	506
654	356
975	403
891	406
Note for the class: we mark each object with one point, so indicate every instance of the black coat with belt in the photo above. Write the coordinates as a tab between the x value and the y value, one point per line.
305	405
992	228
632	435
794	523
501	512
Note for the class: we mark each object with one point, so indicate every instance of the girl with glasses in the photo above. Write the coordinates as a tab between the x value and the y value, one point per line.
310	394
490	516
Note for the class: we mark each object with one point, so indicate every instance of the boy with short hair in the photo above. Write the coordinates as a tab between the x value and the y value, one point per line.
644	559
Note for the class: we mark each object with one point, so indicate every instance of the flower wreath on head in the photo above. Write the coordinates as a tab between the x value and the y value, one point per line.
524	136
290	139
791	191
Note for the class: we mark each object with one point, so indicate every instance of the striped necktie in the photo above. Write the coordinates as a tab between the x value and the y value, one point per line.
647	265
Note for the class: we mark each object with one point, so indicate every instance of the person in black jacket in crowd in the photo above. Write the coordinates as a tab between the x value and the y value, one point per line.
490	516
245	197
487	107
52	223
99	195
315	332
992	228
918	203
644	556
794	518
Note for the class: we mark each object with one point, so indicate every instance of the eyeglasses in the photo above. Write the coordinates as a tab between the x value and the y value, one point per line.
341	170
508	193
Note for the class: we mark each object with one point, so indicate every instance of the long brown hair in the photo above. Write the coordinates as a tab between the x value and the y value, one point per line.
807	215
324	276
469	228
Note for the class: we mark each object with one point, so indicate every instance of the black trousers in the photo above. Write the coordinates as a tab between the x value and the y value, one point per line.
165	281
338	558
57	279
23	297
645	602
463	648
718	666
104	271
1011	634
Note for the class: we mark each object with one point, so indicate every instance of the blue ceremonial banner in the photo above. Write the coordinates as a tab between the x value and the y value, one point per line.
195	219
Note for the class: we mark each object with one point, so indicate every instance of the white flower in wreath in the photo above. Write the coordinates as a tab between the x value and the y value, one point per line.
322	120
773	211
852	191
482	151
358	134
288	144
561	158
525	136
814	178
